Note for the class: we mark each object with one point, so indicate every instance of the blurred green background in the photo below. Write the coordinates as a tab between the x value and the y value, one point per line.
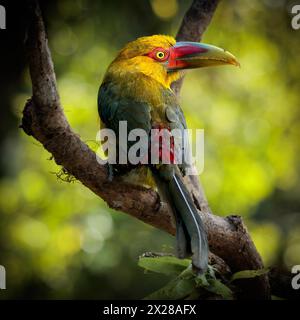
57	239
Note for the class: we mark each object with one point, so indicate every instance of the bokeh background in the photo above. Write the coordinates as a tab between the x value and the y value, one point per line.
57	239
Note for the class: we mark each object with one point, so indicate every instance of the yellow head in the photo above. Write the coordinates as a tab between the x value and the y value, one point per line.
162	58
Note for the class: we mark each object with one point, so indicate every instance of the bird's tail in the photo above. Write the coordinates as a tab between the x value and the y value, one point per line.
191	237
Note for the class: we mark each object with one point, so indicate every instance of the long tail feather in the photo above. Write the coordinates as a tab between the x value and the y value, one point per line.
190	233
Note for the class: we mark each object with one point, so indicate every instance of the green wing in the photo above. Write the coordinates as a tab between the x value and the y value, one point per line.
113	107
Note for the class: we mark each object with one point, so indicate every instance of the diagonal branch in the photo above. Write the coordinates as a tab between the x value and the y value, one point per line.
194	23
44	119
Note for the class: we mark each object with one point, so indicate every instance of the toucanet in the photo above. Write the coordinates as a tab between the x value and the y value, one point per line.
137	89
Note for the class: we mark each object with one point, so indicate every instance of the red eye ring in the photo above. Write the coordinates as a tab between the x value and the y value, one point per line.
159	54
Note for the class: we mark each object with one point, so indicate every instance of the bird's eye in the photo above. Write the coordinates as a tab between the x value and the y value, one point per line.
160	54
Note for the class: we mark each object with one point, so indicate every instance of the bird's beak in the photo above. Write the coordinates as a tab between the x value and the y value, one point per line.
189	55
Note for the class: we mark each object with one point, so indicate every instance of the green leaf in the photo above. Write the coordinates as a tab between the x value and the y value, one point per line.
179	288
209	282
168	265
186	283
176	289
219	288
201	281
248	274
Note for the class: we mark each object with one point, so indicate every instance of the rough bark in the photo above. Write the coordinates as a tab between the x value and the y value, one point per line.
44	119
194	23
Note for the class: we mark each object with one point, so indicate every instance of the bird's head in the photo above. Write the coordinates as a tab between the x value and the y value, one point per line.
163	59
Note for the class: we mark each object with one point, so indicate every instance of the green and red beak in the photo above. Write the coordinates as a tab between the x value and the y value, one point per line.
190	55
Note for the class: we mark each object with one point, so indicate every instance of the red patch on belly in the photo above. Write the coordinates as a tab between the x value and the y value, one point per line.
164	142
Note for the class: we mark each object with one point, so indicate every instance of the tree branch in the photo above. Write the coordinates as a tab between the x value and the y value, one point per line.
194	24
44	119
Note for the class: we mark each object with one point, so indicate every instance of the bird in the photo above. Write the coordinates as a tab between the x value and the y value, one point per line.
137	89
